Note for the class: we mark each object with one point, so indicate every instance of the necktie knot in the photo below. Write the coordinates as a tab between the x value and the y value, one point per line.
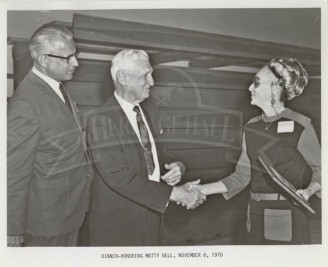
62	88
136	109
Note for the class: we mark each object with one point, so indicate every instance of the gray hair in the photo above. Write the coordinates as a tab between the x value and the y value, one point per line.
292	76
125	60
43	39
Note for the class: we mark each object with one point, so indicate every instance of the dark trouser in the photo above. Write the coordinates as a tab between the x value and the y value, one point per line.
109	230
84	239
67	240
277	222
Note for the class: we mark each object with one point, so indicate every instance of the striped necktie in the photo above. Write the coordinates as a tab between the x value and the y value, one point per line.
145	141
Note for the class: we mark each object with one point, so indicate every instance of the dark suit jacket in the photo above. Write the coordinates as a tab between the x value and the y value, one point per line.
126	206
48	180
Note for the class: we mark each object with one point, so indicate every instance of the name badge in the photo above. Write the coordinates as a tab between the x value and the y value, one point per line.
285	127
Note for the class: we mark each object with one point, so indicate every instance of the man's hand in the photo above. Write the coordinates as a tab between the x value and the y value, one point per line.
188	197
176	170
15	241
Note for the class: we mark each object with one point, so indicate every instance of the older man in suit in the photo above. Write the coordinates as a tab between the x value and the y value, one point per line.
48	174
129	194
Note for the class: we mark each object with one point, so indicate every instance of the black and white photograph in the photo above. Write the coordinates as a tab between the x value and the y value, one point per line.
161	132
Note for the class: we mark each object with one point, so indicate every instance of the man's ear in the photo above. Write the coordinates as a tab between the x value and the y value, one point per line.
42	60
121	77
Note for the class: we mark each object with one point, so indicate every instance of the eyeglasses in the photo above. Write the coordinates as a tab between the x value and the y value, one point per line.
257	82
68	58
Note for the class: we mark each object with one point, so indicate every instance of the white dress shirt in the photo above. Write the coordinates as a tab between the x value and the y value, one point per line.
132	117
52	83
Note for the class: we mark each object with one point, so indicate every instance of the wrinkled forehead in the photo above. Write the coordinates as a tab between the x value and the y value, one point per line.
62	44
141	65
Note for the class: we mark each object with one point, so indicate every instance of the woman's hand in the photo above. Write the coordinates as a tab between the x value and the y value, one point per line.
309	191
305	193
209	189
197	186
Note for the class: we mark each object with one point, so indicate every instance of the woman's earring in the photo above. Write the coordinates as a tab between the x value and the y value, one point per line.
273	101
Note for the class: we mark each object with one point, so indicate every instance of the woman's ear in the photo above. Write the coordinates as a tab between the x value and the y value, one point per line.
276	91
276	88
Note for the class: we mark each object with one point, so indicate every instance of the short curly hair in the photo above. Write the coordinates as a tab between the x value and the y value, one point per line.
292	76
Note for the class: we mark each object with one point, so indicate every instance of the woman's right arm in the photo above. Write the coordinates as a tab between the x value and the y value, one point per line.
235	182
310	149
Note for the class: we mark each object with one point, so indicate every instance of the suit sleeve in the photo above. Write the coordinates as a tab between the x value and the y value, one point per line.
108	156
22	140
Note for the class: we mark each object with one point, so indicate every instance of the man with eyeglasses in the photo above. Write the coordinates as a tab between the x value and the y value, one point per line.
48	175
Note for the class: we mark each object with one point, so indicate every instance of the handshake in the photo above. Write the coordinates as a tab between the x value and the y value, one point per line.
188	195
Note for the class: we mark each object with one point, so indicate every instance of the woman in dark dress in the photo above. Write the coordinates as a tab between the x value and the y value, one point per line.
289	141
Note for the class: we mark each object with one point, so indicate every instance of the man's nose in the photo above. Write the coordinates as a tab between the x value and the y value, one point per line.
74	61
151	81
